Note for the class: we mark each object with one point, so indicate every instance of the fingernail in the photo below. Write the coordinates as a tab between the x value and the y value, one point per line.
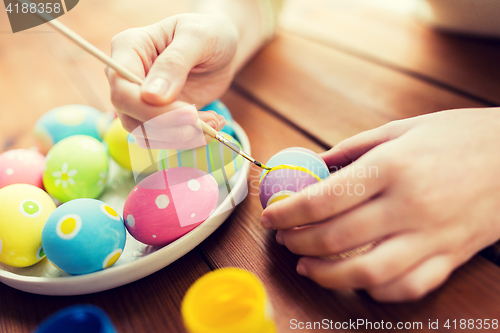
186	119
212	124
301	268
222	123
157	86
266	223
279	238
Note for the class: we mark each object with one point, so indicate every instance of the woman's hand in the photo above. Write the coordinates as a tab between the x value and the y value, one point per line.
184	59
426	188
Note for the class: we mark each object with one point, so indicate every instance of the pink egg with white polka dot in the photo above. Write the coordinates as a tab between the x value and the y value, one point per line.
21	166
168	204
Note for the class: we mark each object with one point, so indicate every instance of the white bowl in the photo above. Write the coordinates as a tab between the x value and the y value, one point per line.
138	260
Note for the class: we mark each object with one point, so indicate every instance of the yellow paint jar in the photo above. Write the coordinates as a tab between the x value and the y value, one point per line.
228	300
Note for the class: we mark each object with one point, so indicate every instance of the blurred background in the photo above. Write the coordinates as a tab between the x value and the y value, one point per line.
40	70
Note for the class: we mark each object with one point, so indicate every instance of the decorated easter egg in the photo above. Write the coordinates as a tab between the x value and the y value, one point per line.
84	236
76	167
210	158
68	120
221	109
302	157
125	151
21	166
282	181
24	209
169	203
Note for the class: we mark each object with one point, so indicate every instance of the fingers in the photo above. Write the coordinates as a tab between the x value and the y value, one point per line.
168	74
213	119
386	262
126	97
130	48
155	136
352	148
416	284
359	226
335	195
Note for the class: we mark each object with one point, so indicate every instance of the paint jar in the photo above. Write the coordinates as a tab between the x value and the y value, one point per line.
228	300
78	319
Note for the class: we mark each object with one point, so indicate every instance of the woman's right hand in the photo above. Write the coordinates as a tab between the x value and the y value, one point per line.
184	59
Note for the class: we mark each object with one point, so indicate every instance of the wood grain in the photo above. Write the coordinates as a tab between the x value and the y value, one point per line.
398	41
148	305
242	242
41	70
296	77
296	92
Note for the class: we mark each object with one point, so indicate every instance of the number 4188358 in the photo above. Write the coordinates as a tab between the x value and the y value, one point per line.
33	8
470	324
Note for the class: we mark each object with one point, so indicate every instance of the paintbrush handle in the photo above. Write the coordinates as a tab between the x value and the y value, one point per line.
134	78
96	52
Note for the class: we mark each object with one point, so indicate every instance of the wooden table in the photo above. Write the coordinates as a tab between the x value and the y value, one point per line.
335	69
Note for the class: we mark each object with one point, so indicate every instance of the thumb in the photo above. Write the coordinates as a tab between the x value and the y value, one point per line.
167	76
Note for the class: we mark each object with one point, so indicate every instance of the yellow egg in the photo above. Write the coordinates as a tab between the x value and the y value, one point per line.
126	152
24	209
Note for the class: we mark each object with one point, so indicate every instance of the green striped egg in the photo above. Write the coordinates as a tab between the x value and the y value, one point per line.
209	158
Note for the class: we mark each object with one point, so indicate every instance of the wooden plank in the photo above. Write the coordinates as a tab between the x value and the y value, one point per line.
332	95
471	292
31	84
396	40
42	70
148	305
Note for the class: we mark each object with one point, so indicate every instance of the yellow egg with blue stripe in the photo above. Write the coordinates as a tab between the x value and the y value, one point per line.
125	151
24	210
210	158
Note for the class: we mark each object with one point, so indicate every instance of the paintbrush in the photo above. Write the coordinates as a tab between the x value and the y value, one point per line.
91	49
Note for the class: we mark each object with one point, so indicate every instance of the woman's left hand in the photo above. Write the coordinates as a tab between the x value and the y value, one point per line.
427	189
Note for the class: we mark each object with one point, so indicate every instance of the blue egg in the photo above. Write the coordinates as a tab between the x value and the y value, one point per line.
221	109
69	120
84	236
301	157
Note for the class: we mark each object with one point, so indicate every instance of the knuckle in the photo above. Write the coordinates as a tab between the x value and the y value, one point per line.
330	243
396	166
344	147
313	208
275	213
412	291
123	37
391	126
308	207
117	98
210	115
368	276
174	60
